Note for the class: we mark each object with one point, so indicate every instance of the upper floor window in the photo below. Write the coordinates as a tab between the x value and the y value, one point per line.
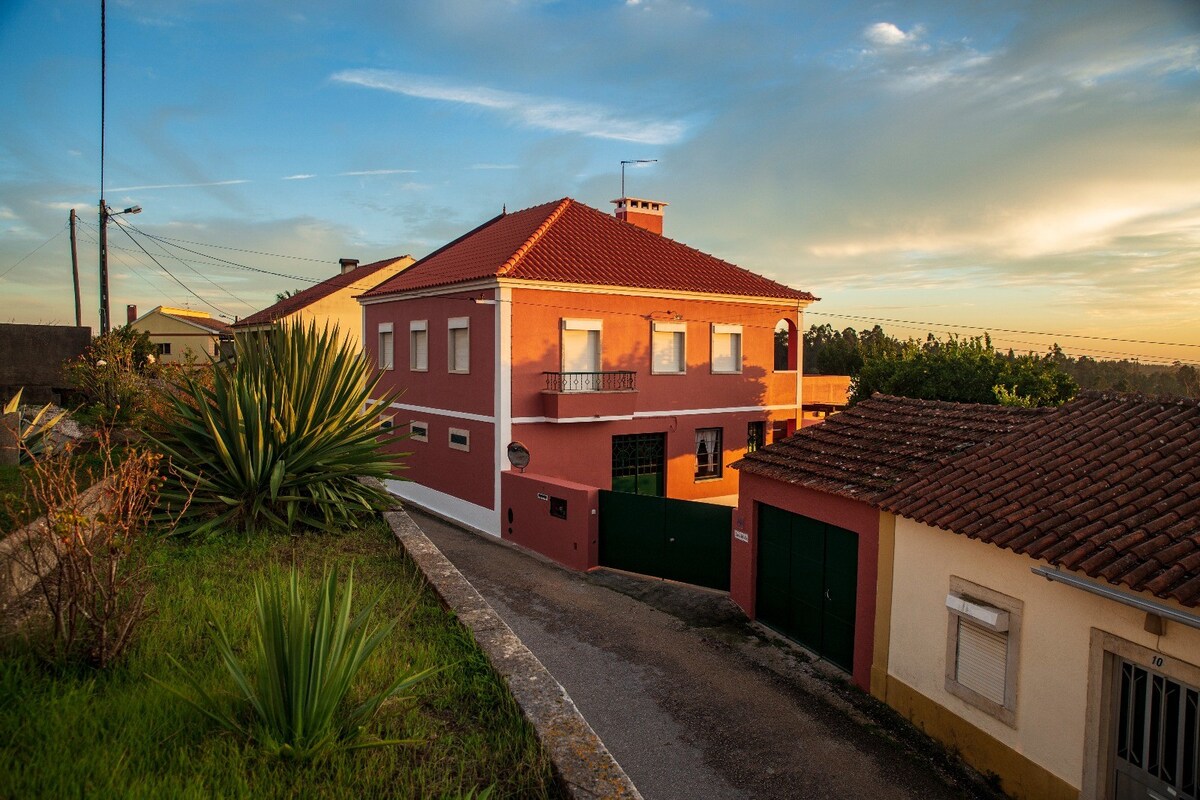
458	346
385	345
708	453
164	348
581	354
727	348
418	345
668	345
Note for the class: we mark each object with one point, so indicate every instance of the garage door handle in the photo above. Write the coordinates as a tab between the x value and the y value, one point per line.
671	539
827	597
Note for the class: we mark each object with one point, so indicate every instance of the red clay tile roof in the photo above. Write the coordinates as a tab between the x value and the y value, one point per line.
865	451
568	242
1107	485
208	323
358	279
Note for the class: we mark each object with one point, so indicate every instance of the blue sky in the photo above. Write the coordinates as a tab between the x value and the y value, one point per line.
1029	166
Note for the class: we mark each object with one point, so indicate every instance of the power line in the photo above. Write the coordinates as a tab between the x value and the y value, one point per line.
34	250
216	308
240	250
199	273
1003	330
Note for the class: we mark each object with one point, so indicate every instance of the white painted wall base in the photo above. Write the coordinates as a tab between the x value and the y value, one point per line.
484	520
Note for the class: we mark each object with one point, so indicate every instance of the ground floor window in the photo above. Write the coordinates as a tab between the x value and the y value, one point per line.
708	453
164	348
982	646
1157	734
756	436
639	463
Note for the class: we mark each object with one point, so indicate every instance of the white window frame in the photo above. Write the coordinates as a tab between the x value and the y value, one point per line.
675	329
988	611
457	324
387	356
726	330
463	432
716	457
414	327
418	431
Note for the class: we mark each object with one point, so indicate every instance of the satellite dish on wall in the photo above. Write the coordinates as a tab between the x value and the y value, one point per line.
518	455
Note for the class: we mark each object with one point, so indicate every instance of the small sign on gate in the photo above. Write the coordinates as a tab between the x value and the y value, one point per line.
741	536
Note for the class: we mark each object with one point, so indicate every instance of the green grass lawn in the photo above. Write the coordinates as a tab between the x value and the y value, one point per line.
116	734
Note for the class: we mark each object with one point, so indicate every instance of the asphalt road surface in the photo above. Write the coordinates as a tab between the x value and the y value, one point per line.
693	700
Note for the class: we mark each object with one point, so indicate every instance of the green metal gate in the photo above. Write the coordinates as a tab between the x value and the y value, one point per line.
808	582
676	539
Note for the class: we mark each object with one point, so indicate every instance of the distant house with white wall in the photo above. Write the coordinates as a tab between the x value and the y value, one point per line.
330	302
176	332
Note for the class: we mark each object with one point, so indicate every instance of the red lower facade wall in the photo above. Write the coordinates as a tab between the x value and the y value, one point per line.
581	452
528	504
852	515
466	475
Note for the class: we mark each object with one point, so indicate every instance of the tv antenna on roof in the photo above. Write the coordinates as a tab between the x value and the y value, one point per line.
633	161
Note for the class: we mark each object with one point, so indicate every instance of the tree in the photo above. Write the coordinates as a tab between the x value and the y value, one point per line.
963	371
286	293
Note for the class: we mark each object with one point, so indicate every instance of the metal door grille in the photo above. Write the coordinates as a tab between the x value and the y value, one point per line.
1158	729
639	463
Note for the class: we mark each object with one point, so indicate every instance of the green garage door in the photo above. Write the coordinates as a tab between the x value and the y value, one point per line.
808	582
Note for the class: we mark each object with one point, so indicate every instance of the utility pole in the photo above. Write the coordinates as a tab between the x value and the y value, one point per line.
103	208
104	310
75	273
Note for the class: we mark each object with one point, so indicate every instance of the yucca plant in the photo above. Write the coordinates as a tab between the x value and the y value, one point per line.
31	435
279	439
305	659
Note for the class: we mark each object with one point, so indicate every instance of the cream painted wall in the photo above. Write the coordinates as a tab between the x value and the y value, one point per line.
180	335
1052	682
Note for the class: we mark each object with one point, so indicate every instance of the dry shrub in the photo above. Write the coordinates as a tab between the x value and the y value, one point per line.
91	549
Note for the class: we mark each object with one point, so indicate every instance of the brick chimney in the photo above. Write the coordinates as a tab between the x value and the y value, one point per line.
348	264
646	214
130	313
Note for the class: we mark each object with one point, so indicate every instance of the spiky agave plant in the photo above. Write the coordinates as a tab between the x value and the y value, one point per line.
280	439
305	659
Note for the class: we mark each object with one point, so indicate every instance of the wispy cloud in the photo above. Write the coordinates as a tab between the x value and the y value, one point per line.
177	185
377	172
563	116
300	177
494	166
7	213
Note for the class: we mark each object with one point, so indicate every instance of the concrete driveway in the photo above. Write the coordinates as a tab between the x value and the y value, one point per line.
693	700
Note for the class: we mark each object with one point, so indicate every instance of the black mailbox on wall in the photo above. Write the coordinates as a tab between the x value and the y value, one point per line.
558	507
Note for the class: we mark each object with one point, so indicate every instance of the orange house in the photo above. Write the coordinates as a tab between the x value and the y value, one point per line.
619	358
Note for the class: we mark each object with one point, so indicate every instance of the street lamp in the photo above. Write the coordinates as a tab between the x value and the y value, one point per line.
105	214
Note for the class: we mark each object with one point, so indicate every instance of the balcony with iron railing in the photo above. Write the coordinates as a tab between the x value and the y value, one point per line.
587	396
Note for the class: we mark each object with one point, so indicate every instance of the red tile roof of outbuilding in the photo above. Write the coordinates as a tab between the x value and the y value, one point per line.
1107	485
568	242
864	452
358	279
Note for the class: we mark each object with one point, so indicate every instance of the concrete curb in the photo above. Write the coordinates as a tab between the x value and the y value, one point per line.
583	765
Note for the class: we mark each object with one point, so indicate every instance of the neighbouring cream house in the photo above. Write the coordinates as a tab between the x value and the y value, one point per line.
176	332
330	302
1022	584
1044	601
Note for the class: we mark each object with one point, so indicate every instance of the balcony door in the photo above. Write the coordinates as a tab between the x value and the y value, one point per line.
581	355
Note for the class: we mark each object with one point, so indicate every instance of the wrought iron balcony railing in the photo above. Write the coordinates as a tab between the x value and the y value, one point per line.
621	381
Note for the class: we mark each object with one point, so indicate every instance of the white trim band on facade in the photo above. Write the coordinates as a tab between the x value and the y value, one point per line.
682	412
441	412
447	506
1140	603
